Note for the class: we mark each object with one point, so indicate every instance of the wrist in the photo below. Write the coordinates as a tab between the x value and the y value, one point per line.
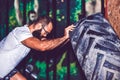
65	37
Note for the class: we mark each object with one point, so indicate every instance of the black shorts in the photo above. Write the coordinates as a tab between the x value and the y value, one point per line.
12	73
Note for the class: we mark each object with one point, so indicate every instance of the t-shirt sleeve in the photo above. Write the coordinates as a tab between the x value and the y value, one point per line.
22	33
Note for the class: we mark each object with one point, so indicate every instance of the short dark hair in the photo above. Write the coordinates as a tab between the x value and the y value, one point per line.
44	20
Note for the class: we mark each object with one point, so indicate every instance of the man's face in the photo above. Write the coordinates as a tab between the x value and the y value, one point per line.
43	32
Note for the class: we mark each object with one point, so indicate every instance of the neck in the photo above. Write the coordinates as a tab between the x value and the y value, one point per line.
31	28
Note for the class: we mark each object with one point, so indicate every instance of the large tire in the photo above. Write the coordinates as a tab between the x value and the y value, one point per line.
97	48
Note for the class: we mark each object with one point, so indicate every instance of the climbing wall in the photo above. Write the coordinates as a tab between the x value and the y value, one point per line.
97	48
113	14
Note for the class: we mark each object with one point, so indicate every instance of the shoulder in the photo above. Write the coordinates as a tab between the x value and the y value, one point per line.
21	29
22	32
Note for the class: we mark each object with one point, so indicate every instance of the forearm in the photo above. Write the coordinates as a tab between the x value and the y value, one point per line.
53	43
44	45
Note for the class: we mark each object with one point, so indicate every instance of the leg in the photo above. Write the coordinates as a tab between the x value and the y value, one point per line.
18	76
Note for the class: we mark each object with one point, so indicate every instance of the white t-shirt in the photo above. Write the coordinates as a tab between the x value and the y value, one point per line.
12	51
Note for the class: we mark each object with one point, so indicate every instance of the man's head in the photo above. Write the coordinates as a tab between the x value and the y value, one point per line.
42	27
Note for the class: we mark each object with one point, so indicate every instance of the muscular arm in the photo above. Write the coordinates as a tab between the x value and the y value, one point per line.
43	45
18	13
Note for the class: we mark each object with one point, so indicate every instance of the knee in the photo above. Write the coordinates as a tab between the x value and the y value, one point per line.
18	76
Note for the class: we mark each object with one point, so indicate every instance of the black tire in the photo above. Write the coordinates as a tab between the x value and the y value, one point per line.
97	48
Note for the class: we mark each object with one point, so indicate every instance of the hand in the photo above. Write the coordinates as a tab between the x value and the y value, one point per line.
67	30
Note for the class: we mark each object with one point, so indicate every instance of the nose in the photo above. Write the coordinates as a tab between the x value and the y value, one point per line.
45	35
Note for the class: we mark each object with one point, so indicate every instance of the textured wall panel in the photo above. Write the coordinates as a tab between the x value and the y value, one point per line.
113	14
97	48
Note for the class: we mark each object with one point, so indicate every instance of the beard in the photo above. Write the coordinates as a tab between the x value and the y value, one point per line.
37	34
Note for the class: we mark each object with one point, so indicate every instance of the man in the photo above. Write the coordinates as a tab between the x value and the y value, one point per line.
17	44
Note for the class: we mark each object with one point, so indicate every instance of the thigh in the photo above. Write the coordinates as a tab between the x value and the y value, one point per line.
18	76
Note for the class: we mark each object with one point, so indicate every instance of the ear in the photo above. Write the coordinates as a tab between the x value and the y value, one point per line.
38	26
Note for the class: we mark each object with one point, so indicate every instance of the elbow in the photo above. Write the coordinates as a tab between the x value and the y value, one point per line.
39	48
42	49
